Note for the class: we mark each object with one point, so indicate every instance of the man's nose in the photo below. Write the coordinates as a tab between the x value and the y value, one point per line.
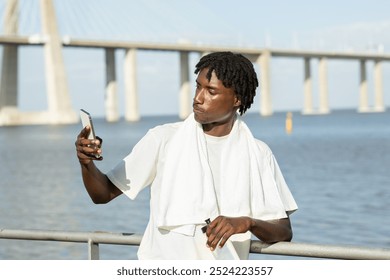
198	98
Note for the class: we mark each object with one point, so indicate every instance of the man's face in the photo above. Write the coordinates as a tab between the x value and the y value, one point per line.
213	102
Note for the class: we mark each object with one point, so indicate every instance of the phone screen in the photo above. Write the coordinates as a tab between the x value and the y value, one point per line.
87	120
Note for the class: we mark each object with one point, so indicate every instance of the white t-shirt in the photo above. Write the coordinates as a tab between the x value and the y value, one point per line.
144	166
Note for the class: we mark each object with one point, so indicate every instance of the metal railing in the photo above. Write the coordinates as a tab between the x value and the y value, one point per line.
93	239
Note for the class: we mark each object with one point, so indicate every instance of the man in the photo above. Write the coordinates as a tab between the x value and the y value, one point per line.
206	167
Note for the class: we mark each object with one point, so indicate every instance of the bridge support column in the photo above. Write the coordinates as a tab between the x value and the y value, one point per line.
9	78
307	87
111	100
378	85
323	86
185	88
264	61
59	104
130	78
363	99
9	70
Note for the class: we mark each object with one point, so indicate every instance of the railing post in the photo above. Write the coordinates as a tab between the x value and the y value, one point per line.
93	250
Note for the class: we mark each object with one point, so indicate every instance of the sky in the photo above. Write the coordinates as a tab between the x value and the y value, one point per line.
361	26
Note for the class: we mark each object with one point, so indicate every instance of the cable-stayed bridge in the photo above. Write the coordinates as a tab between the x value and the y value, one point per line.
42	28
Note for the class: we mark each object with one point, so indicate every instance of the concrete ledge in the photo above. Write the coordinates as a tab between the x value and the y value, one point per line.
10	116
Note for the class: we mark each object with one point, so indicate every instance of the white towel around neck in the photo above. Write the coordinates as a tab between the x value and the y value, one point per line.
187	194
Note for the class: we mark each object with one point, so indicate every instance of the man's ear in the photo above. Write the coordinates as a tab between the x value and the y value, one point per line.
237	102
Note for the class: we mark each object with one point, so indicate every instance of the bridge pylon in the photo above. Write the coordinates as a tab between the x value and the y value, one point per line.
58	99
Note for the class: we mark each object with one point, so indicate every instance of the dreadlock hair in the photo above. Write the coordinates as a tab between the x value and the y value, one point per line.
234	71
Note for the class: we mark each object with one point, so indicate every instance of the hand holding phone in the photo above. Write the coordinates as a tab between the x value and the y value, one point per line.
86	120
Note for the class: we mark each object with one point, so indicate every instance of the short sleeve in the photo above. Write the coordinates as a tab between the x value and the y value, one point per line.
138	169
284	191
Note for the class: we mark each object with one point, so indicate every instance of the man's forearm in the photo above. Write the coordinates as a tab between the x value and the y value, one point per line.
222	227
98	186
272	231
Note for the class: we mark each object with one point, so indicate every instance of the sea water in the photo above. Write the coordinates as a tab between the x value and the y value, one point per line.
337	167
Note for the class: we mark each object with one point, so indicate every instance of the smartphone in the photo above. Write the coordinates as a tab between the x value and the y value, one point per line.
87	120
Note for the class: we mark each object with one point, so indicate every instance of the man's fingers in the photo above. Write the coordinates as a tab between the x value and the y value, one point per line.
217	239
224	238
88	149
100	141
222	228
218	233
84	132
